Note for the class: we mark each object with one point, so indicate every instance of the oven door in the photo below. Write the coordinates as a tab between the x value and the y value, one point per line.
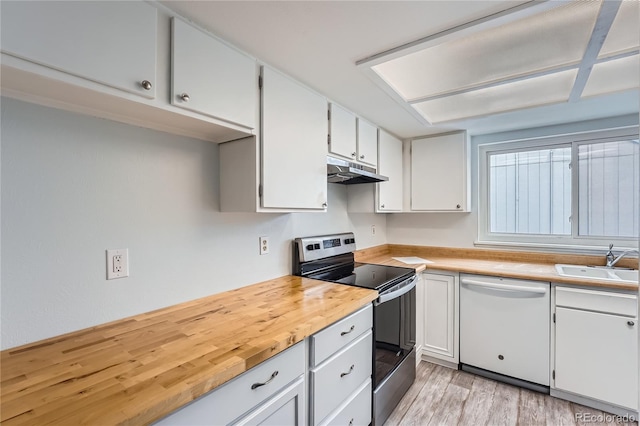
394	327
394	361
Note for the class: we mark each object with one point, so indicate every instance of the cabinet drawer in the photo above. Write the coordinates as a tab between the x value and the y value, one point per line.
340	376
355	411
229	401
286	408
600	301
331	339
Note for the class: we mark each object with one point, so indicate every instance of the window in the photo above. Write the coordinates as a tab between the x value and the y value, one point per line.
569	190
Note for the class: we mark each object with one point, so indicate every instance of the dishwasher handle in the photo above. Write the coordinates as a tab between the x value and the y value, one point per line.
523	291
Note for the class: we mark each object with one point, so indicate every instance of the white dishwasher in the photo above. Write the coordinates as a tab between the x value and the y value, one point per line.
504	329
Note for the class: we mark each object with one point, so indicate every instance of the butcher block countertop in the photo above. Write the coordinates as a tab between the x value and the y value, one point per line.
524	265
139	369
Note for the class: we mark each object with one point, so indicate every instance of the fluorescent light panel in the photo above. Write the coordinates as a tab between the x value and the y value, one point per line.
547	89
554	38
613	76
624	34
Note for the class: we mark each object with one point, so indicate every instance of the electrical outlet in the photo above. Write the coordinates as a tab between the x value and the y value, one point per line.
264	245
373	230
117	263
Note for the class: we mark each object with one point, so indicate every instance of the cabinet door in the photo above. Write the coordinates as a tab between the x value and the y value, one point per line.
342	129
286	408
294	150
367	143
597	356
440	323
439	173
390	165
212	78
109	42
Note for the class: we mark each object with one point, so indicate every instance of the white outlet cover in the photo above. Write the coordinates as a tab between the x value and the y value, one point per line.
124	264
264	245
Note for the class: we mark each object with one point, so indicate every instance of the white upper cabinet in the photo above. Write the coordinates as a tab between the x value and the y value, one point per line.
342	132
112	43
367	143
352	137
293	138
439	173
212	78
389	164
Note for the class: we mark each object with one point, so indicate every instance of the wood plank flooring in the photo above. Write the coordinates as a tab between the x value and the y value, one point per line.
442	396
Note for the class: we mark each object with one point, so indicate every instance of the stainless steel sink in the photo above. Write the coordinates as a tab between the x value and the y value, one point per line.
598	272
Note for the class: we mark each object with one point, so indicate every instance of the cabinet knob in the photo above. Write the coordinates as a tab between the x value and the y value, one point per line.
353	154
631	323
458	206
362	157
146	84
324	205
185	97
382	206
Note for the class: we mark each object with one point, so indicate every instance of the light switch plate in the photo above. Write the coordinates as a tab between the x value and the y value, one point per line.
117	263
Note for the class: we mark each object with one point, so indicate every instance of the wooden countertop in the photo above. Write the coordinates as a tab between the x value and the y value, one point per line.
137	370
524	265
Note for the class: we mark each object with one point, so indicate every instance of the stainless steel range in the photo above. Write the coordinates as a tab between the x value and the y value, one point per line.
330	258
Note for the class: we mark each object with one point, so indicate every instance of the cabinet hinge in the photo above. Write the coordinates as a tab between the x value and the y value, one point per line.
329	114
260	82
259	190
554	317
553	374
328	139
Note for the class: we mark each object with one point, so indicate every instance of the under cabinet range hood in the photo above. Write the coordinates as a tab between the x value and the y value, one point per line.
348	173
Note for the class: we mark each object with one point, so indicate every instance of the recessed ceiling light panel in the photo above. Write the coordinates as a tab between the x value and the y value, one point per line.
613	76
624	34
547	89
555	38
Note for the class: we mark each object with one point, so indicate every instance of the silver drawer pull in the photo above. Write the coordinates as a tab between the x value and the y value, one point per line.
348	372
351	422
257	385
350	330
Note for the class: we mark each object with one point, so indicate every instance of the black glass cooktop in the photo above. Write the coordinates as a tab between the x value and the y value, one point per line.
376	277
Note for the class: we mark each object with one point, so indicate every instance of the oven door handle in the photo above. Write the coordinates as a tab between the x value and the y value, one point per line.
404	288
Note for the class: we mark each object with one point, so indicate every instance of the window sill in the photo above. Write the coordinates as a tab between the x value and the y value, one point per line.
550	248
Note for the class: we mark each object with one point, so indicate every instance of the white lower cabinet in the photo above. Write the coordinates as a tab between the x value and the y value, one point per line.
340	384
270	391
286	408
276	392
596	345
439	306
356	410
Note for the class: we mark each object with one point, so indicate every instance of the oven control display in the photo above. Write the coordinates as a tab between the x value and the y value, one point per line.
335	242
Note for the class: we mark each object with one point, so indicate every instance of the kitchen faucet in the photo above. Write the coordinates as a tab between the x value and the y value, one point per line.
612	259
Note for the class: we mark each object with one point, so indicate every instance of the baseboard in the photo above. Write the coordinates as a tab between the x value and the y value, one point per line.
442	362
627	413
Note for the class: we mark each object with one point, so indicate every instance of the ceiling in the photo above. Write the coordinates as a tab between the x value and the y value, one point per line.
319	43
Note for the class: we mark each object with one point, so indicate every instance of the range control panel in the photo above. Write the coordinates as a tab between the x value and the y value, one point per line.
319	247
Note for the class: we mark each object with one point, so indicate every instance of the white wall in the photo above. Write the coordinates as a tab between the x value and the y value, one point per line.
73	186
461	229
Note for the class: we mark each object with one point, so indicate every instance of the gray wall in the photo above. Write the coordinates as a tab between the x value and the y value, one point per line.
73	186
461	229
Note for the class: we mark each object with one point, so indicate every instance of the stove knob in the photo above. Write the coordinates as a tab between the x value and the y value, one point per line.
316	246
310	247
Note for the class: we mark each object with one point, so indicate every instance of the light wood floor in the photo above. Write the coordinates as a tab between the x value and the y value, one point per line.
442	396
